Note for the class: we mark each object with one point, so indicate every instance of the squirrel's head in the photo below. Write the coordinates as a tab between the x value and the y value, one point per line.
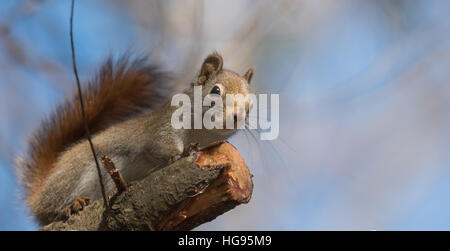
218	81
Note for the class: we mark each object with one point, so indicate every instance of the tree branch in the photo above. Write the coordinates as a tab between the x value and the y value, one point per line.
189	192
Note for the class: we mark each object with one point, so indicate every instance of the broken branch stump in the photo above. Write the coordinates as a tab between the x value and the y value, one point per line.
187	193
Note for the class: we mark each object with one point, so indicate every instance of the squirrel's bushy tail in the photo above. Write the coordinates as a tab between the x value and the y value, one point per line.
122	89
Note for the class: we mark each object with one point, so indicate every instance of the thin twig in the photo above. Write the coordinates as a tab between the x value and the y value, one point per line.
86	127
121	185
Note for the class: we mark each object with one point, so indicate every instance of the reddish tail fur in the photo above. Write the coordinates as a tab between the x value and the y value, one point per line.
121	90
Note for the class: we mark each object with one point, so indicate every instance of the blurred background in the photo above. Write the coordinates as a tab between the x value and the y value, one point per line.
364	98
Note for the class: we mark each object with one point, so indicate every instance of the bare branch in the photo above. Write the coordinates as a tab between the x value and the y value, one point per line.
189	192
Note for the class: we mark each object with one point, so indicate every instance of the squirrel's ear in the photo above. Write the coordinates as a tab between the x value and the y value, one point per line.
212	64
248	75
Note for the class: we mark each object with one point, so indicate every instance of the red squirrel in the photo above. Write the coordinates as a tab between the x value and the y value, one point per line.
58	170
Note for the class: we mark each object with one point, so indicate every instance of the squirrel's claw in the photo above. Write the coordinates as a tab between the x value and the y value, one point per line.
190	149
77	206
80	203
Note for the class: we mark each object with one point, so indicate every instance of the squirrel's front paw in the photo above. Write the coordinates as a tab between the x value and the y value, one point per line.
188	150
77	206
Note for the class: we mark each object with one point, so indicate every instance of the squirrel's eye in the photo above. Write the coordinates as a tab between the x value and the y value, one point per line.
215	90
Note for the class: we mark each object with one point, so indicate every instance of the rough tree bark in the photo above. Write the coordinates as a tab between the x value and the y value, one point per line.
189	192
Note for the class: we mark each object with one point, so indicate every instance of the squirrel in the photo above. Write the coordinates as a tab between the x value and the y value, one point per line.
58	172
